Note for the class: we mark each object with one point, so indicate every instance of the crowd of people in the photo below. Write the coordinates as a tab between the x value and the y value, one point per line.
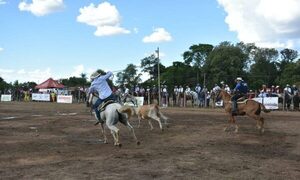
178	95
174	95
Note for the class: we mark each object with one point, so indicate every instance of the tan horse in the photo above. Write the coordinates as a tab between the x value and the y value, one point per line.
249	107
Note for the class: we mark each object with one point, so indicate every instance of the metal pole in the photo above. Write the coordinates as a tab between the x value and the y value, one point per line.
158	77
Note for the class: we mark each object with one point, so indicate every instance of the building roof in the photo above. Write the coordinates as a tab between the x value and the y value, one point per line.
49	83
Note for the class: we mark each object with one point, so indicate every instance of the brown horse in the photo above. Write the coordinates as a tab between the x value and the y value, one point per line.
249	107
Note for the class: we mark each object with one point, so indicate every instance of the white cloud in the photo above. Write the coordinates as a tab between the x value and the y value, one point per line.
42	7
2	2
78	70
159	35
38	75
267	23
1	49
105	17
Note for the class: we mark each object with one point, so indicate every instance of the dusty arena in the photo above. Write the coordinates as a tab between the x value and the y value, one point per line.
59	141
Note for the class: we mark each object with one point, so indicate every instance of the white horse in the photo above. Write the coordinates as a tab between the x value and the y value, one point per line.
111	115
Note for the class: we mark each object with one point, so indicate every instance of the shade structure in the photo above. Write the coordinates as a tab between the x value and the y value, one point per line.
49	83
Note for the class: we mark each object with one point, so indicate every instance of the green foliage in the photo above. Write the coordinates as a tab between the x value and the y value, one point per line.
150	65
264	70
225	63
129	76
291	74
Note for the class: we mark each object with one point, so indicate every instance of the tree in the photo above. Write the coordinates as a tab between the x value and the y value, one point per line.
196	55
129	76
291	74
178	74
150	65
288	55
225	63
3	85
264	70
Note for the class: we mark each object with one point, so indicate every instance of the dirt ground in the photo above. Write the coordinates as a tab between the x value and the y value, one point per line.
60	141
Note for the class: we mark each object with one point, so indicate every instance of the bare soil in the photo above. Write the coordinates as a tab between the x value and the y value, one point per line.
59	141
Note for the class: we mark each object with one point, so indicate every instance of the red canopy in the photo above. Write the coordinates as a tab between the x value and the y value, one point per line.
50	83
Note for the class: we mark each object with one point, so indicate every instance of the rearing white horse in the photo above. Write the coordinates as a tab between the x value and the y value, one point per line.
111	115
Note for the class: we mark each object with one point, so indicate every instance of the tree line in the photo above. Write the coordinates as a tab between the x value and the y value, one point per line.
205	64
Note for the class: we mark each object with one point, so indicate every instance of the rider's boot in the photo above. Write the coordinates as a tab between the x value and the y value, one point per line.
97	114
234	108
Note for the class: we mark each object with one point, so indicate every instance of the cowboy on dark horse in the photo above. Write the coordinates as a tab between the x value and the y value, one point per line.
239	91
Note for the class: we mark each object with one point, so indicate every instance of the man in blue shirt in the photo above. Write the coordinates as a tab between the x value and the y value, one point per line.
100	85
239	91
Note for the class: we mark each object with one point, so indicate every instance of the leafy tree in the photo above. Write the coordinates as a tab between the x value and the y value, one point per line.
150	65
129	76
178	74
291	74
196	55
225	63
3	85
264	70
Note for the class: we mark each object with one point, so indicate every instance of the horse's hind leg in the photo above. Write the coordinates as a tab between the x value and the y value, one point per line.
150	124
159	121
133	133
103	133
115	133
261	122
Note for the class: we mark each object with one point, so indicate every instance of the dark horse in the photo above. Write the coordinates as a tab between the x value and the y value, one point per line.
249	107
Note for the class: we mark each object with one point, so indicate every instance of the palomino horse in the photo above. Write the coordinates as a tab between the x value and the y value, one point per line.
111	115
249	107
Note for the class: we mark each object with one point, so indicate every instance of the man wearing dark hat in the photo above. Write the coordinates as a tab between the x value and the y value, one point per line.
239	91
100	85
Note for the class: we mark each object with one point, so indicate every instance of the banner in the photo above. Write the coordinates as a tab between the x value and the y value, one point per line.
140	100
40	97
6	97
64	99
268	102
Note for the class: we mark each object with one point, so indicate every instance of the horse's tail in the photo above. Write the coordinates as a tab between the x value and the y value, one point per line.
264	108
128	110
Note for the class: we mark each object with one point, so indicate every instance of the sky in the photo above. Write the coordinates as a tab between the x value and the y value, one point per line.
65	38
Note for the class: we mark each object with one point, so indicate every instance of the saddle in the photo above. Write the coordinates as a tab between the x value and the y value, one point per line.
242	100
104	104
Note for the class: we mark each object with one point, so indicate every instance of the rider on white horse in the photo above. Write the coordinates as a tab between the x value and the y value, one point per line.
100	85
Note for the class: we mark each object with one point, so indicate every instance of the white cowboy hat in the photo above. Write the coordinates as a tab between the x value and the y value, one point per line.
239	79
95	74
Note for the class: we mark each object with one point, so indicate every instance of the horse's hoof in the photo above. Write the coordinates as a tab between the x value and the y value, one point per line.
138	142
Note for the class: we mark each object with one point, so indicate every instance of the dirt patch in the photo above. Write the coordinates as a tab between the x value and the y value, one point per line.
60	141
